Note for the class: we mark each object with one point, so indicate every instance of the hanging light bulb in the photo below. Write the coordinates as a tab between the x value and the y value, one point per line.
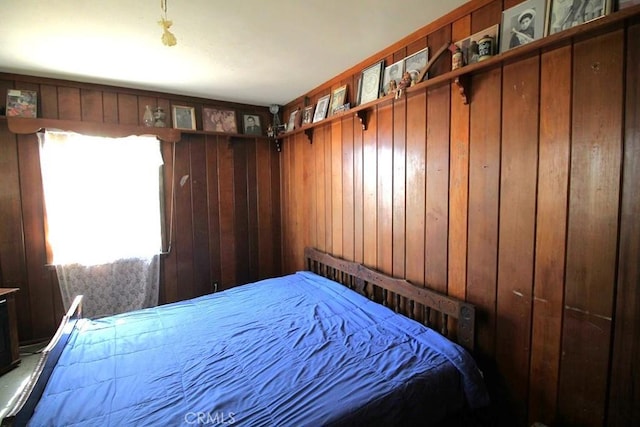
168	39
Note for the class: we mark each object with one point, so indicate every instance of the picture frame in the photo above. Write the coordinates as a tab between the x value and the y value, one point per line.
392	72
307	114
561	14
414	63
522	24
21	103
321	108
292	124
184	117
219	120
338	98
370	86
251	124
465	44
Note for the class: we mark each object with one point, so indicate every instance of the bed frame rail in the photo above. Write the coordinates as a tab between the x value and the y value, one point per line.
453	318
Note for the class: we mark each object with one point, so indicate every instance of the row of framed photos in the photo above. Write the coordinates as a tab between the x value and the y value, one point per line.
216	120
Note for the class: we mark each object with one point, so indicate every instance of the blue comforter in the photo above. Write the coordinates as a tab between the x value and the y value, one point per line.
296	350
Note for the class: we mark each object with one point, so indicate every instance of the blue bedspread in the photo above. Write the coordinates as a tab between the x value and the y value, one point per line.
296	350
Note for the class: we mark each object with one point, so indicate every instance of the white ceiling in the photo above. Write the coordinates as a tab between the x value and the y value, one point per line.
248	51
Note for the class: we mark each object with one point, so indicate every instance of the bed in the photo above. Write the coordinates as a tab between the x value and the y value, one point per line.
324	346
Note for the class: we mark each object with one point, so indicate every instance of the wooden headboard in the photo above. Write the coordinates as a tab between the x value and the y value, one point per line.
453	318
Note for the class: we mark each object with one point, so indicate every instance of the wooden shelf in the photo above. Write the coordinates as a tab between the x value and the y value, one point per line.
461	77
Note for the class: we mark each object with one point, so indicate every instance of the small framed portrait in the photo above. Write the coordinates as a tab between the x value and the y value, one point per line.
413	64
293	120
216	120
307	114
184	117
469	45
337	99
321	108
251	124
522	24
392	72
370	86
564	14
22	103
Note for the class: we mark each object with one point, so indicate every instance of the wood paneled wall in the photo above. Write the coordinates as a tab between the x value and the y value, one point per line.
226	220
524	202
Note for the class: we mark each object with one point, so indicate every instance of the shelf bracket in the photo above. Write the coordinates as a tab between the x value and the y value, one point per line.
463	82
362	116
309	133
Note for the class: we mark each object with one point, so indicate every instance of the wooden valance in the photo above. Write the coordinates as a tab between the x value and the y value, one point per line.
23	125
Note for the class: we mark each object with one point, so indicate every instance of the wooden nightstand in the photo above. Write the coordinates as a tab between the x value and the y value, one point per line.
9	344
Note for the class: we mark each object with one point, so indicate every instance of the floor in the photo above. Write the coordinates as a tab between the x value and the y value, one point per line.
13	381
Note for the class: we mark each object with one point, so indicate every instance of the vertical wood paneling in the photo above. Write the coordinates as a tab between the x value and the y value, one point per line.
251	196
199	209
265	210
437	188
484	185
308	203
275	233
227	213
385	188
624	393
592	227
399	185
328	180
184	220
370	192
110	107
69	106
336	188
91	103
128	110
358	192
347	189
319	142
553	181
169	292
520	90
49	101
213	211
416	160
241	208
458	181
39	276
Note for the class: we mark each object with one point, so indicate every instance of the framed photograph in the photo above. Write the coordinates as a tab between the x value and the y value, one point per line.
565	14
321	108
184	117
215	120
251	124
522	24
338	98
413	64
22	103
293	120
392	72
307	114
370	86
469	53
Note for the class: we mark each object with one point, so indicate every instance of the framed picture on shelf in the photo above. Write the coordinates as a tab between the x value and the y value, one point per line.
338	98
370	86
215	120
321	108
469	52
564	14
184	117
392	72
22	103
413	64
251	124
522	24
307	114
293	120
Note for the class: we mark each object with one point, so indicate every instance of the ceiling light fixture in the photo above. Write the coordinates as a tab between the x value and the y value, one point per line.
168	39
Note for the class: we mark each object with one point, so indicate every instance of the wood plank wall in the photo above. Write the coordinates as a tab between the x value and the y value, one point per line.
226	222
524	202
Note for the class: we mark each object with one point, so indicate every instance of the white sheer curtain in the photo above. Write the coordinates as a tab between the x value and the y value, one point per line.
102	198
